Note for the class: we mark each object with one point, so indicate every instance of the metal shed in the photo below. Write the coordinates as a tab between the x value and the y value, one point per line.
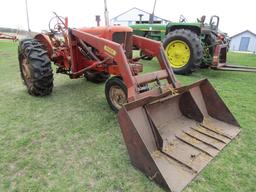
135	15
244	42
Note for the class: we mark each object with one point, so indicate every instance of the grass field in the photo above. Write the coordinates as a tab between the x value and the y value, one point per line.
71	140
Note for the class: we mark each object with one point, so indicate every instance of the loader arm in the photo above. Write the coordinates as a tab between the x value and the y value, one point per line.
155	49
116	52
107	48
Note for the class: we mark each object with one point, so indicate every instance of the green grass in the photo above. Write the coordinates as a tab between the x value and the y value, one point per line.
71	140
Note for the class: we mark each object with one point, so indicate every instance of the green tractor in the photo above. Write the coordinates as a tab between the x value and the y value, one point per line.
188	45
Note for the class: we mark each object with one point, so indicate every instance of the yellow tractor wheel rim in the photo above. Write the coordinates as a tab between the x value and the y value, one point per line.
178	53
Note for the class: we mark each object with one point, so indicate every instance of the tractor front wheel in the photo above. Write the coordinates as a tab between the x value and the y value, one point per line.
116	93
184	50
35	67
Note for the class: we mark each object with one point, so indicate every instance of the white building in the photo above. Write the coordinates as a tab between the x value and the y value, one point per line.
244	41
135	15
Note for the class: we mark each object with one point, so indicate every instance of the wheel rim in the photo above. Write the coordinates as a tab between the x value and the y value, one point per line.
178	53
117	96
26	71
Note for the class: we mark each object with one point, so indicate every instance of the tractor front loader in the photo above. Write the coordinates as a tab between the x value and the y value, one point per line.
171	131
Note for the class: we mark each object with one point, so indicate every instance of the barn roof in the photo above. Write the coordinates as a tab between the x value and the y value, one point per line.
244	32
138	10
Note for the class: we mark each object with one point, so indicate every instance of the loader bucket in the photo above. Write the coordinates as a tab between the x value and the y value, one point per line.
171	138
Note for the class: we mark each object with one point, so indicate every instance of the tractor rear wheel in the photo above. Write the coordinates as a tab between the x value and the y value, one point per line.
116	93
35	67
95	76
184	50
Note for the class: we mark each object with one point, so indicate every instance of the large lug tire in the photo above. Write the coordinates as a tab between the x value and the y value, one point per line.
96	77
35	67
116	93
184	51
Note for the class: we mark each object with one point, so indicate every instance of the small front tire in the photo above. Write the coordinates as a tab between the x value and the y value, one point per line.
116	93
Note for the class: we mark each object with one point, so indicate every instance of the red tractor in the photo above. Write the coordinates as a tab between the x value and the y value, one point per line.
171	132
93	53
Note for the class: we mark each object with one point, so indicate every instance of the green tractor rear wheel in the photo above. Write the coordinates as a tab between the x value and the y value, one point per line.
184	50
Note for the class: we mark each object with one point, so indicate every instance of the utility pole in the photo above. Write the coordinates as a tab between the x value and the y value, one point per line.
106	13
151	19
27	15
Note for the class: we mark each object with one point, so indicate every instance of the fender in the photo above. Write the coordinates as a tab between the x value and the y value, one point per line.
45	40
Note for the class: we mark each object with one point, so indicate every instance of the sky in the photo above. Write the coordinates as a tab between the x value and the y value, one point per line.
235	16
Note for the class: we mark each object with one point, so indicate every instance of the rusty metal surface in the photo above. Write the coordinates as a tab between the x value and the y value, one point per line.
151	77
171	138
220	61
8	36
228	67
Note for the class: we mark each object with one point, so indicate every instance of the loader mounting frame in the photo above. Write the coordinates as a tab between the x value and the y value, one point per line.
220	61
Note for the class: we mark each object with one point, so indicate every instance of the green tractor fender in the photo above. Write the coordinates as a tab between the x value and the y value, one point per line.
194	27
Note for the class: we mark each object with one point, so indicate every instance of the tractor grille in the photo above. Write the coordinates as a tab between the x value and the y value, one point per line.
125	39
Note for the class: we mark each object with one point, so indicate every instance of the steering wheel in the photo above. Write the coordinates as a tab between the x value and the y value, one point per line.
182	19
57	24
202	20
